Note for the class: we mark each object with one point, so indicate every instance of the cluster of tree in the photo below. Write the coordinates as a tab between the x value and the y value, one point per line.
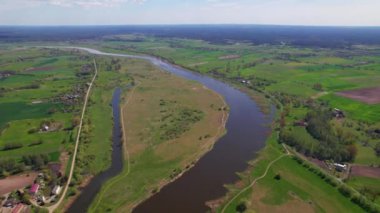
12	166
329	146
175	123
374	133
377	149
114	65
35	161
318	87
293	100
86	69
332	145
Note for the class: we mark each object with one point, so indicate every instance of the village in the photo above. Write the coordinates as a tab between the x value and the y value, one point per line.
36	189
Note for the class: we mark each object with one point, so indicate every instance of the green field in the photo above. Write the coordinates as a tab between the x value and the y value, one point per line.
298	190
29	97
285	69
368	186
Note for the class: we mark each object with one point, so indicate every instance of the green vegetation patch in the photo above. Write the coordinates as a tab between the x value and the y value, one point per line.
21	110
355	109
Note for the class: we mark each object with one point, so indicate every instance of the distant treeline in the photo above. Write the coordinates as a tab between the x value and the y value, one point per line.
258	34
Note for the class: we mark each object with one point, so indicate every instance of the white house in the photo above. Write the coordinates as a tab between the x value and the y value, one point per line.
56	190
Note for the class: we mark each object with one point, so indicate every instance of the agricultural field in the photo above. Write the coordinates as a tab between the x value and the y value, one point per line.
42	92
40	95
169	123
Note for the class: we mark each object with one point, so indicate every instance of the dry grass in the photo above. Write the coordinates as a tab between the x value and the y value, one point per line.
142	114
293	205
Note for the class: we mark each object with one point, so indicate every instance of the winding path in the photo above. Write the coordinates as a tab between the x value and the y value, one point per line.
257	179
56	205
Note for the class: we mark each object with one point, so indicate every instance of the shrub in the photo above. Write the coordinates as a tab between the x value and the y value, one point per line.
344	190
377	149
10	146
35	143
277	177
241	207
331	181
32	131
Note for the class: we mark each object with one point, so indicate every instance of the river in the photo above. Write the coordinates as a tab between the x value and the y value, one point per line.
247	130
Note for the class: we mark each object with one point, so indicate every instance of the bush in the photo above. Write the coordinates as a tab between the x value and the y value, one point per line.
35	143
377	149
32	131
277	177
344	190
331	181
10	146
241	207
365	204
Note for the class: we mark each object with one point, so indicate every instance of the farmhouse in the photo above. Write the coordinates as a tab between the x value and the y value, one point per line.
338	113
302	123
10	202
45	128
243	81
340	167
56	190
19	208
34	189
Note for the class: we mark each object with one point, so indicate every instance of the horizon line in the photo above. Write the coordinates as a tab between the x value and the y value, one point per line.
186	24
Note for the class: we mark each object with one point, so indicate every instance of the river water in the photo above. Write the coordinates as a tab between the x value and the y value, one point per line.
247	130
88	194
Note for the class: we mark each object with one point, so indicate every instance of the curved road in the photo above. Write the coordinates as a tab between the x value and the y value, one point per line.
55	206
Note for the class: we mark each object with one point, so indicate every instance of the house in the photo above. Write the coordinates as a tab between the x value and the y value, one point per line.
45	128
56	190
19	208
10	203
245	81
34	189
338	113
340	167
302	123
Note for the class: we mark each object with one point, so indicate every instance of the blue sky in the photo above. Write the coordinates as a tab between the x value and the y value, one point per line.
119	12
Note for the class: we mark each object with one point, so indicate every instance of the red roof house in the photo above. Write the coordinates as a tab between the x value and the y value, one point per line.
34	189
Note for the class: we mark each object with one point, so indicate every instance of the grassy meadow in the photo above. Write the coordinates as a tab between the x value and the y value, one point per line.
297	190
169	123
